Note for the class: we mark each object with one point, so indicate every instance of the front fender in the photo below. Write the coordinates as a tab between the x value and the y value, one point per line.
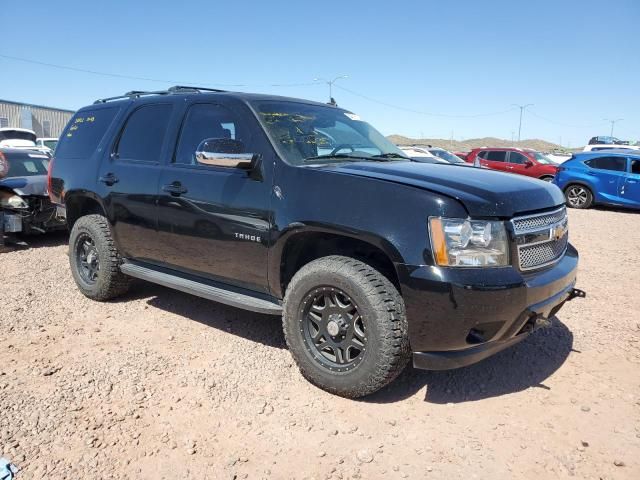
390	216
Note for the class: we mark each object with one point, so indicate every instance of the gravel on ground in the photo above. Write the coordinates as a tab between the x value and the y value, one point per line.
163	385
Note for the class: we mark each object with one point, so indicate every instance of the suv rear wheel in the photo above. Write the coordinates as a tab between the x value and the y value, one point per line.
578	196
95	261
345	325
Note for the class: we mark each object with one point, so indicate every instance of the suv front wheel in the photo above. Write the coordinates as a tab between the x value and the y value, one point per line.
95	261
345	325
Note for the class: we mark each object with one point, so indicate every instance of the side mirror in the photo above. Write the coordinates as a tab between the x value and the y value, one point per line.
528	163
224	152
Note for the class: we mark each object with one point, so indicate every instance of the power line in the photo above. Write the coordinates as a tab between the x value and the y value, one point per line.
420	112
532	112
148	79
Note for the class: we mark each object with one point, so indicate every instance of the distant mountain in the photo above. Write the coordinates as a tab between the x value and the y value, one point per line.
466	145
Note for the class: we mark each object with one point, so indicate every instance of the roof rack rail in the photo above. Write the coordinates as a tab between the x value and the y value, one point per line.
132	94
175	89
180	88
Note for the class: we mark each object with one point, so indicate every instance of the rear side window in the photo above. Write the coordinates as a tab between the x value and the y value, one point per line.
84	132
496	156
635	166
618	164
144	133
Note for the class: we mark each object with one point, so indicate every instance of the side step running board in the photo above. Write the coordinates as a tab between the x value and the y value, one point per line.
203	290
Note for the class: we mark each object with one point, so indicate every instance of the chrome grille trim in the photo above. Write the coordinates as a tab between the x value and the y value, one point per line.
532	223
542	254
552	227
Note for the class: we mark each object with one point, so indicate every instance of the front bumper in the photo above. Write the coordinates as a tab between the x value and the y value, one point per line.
461	316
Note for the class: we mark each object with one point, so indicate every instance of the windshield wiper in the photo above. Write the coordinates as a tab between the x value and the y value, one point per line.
337	155
390	155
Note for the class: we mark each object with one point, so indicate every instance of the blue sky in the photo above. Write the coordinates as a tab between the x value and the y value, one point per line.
578	62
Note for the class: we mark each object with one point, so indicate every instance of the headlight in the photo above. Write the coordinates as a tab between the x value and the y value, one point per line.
457	242
12	201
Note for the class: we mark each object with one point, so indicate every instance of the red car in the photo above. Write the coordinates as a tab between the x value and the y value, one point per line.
523	161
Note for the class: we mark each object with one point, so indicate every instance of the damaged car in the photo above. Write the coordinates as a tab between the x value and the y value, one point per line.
25	207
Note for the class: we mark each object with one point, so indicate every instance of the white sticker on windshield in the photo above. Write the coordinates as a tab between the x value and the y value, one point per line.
353	116
37	155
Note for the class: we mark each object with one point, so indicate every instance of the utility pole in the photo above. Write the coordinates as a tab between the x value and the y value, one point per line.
330	83
522	109
613	122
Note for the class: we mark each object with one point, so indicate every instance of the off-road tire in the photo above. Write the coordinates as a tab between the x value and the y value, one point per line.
110	282
380	305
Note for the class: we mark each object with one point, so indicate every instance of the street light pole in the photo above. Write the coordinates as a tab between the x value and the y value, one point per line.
330	83
613	122
522	109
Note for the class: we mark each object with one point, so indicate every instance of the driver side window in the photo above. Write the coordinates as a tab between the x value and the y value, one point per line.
206	121
516	157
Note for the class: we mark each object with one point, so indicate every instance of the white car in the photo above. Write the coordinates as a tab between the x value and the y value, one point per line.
421	154
12	137
598	147
48	142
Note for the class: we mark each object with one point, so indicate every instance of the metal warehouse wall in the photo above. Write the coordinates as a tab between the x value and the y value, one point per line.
45	121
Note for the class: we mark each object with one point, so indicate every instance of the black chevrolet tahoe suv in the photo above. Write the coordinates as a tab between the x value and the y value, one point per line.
301	209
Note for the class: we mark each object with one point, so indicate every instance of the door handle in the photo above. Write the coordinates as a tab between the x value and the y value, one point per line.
593	174
632	181
176	189
109	179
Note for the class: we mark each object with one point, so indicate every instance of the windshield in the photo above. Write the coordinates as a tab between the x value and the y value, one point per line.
448	156
28	165
309	134
543	159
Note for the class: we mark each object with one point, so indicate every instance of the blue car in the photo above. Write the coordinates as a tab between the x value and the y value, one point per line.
606	177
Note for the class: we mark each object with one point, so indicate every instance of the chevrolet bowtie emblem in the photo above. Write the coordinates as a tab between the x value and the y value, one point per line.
557	231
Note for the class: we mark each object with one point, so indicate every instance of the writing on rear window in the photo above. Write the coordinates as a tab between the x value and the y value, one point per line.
79	121
84	132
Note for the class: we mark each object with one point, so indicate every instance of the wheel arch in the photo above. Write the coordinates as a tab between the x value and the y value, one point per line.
79	204
301	245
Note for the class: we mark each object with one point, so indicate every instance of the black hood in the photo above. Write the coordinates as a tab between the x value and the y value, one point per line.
483	192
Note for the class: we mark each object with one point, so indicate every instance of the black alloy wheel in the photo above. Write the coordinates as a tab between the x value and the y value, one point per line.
333	330
87	258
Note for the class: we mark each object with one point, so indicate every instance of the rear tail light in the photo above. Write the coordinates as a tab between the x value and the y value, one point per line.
49	169
4	165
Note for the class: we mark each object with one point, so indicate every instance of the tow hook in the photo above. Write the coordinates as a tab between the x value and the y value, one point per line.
576	293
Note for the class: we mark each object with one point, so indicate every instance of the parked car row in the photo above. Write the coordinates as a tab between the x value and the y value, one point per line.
600	175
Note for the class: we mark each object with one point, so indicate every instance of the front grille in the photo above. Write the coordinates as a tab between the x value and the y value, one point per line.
535	222
541	238
534	256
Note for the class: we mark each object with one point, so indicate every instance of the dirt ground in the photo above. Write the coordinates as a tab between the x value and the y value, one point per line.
163	385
